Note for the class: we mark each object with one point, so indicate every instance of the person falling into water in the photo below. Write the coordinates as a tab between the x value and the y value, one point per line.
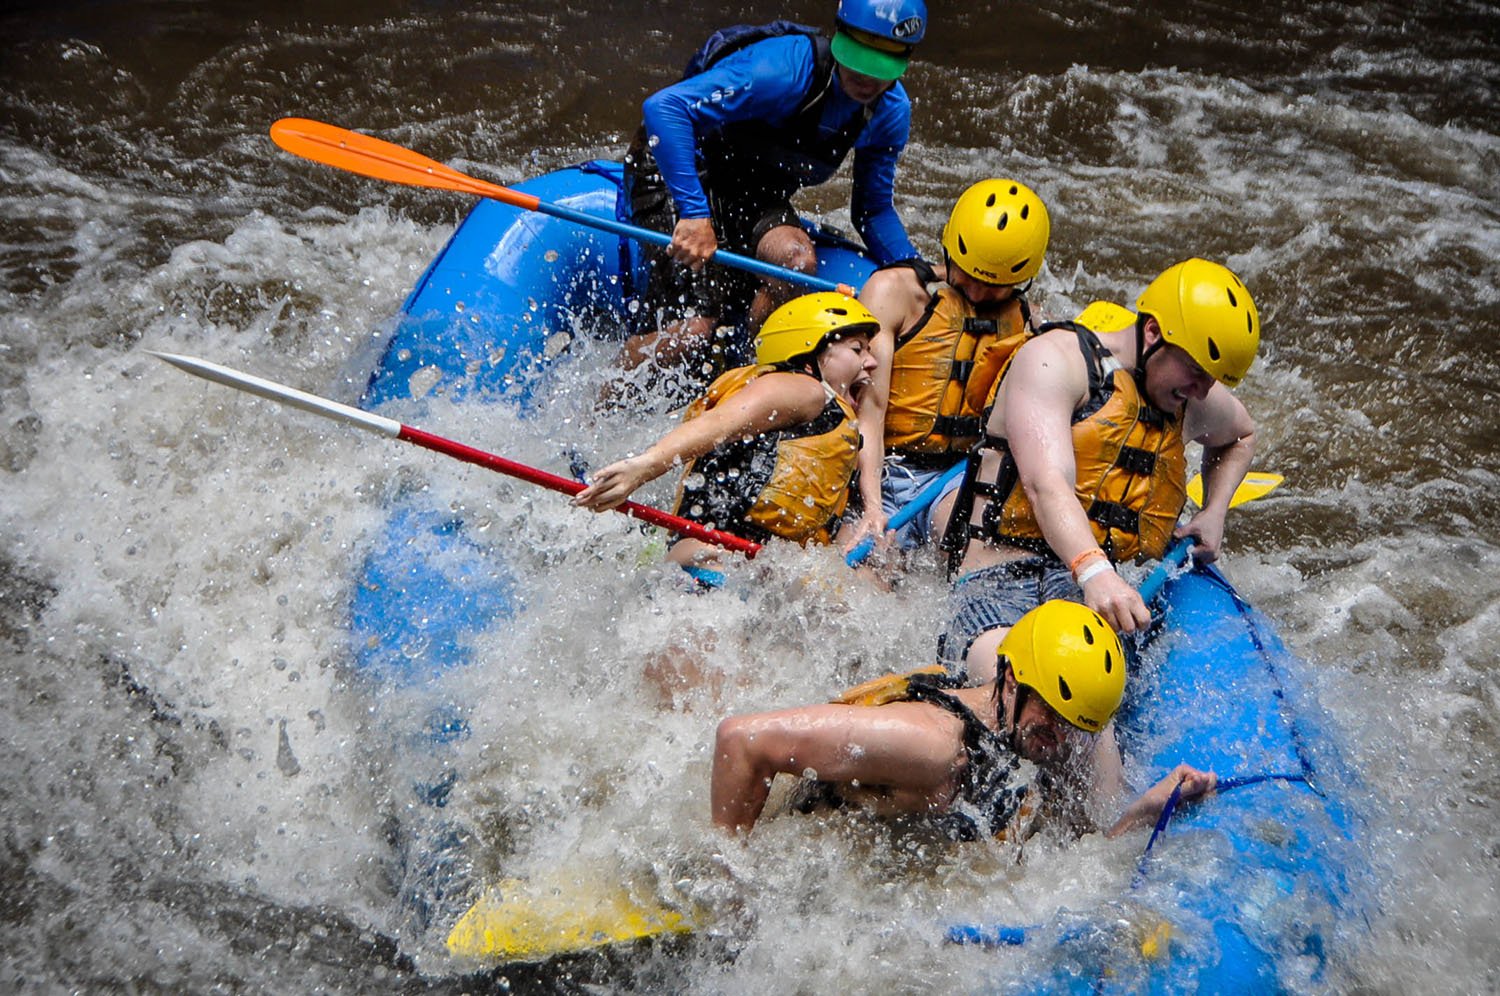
1082	461
770	449
943	334
919	744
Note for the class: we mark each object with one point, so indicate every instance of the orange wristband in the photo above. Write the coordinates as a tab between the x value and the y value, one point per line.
1084	558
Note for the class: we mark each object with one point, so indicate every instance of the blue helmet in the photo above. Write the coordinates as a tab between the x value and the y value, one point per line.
875	37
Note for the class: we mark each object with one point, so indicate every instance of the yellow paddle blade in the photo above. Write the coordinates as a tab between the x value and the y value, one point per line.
521	920
1157	944
1256	484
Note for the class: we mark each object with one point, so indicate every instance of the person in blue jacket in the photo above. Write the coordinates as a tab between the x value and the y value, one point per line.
762	112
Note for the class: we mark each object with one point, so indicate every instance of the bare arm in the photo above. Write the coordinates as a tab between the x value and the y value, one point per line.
1046	384
1146	809
773	401
873	401
1227	432
907	746
887	294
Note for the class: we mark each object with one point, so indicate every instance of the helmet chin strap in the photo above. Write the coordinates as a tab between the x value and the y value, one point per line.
1143	353
948	275
1008	721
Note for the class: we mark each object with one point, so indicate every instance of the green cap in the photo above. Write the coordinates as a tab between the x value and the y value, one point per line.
862	58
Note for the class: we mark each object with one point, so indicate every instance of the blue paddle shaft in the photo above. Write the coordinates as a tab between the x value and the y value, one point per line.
724	256
909	511
1174	558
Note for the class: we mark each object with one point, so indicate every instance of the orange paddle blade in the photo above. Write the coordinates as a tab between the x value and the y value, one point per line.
367	156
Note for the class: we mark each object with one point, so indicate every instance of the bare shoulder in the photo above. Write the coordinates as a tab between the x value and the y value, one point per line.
1220	418
1055	349
1048	374
843	728
896	296
893	280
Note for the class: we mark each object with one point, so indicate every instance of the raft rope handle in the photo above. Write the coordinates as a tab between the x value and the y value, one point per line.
1279	685
1003	935
1224	785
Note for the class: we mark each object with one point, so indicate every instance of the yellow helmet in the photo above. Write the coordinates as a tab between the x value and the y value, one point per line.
1105	316
1069	656
1204	309
799	327
998	232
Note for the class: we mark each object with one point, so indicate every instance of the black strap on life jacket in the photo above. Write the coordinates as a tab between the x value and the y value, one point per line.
727	41
986	781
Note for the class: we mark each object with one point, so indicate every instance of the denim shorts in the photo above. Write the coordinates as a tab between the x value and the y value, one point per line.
899	484
996	597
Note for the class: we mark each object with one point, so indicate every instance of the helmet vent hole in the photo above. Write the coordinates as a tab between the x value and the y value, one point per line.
1014	190
1064	690
1249	323
1109	662
838	311
1021	265
1233	303
1025	211
1004	220
1213	350
963	248
1088	636
989	201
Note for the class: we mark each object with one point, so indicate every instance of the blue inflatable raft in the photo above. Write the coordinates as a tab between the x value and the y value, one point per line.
1252	890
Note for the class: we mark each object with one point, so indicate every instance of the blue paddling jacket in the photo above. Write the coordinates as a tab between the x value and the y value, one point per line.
771	117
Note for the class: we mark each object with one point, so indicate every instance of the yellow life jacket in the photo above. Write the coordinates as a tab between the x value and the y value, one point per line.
792	483
1131	471
886	688
943	369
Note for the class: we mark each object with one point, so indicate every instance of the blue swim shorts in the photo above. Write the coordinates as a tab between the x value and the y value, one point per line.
996	597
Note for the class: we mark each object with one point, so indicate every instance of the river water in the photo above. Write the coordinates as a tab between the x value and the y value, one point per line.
197	798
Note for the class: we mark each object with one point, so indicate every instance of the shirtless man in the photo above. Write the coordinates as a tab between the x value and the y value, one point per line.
919	745
1082	465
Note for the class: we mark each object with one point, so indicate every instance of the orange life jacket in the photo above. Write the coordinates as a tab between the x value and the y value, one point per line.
943	369
1131	471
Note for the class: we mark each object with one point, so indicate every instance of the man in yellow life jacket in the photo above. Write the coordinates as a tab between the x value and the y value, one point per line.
942	338
1082	463
919	744
771	449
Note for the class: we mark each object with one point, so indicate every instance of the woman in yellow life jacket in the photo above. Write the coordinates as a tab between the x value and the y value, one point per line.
920	744
943	336
770	450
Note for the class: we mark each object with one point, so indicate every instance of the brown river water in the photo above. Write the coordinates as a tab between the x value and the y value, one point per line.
193	798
